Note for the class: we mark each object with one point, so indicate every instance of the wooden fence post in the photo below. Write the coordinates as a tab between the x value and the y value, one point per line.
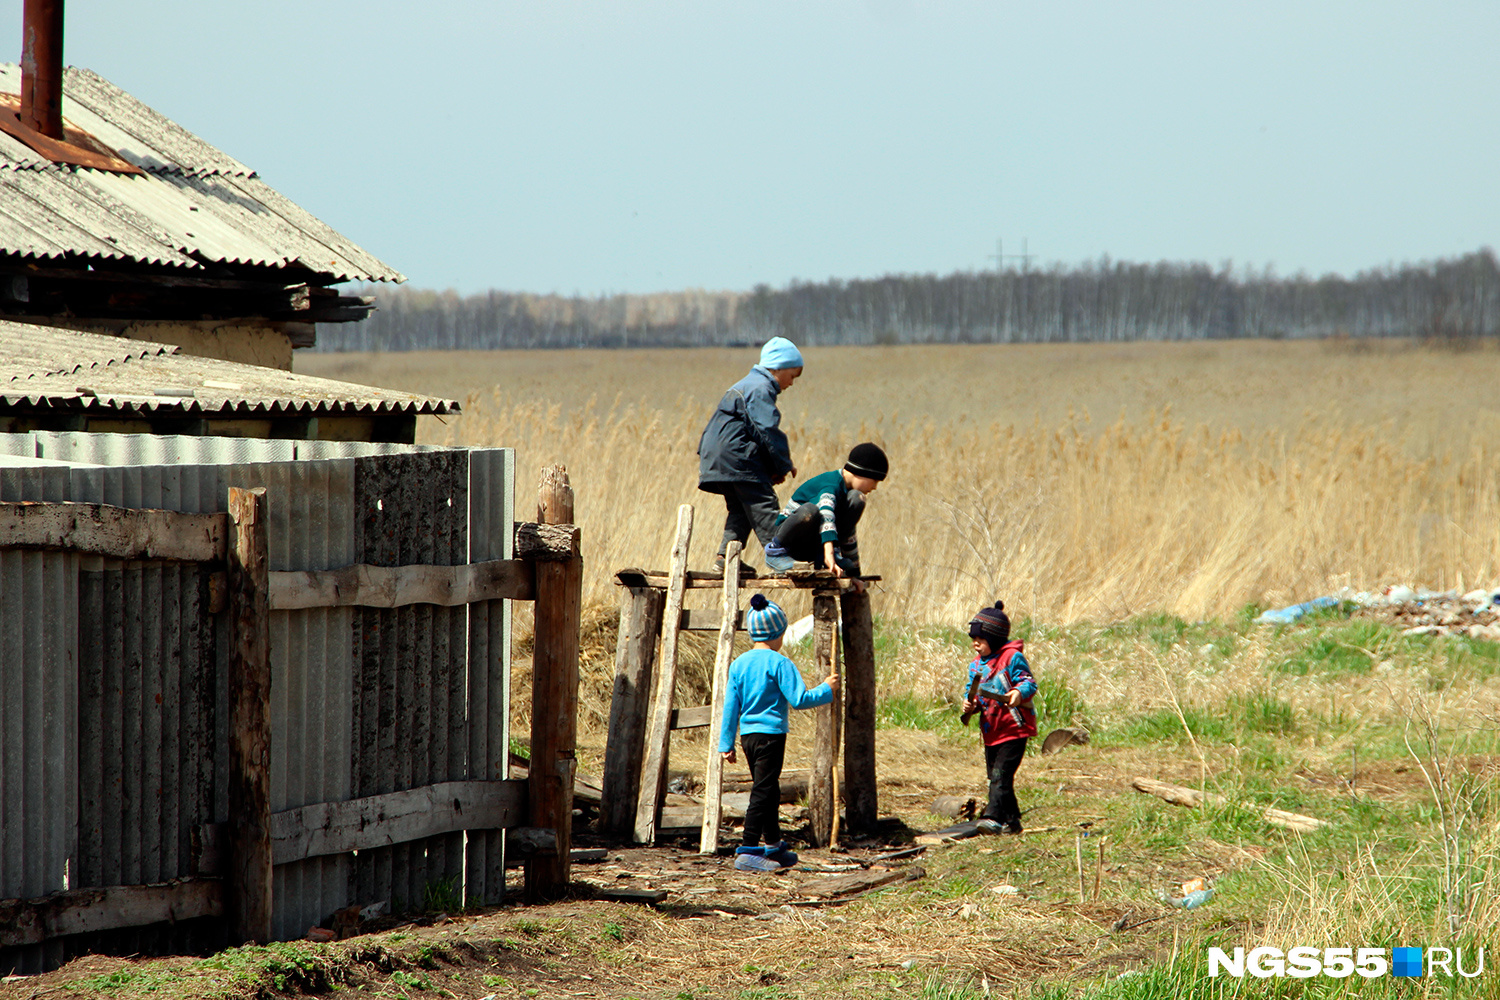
822	802
248	887
659	732
635	659
713	766
554	693
861	805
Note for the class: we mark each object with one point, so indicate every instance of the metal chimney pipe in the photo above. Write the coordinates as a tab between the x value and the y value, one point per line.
42	66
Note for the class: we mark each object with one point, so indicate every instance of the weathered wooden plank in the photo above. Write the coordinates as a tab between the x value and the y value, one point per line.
857	882
247	895
82	911
708	620
713	765
692	718
116	532
658	733
700	580
554	693
822	802
396	818
397	586
861	805
635	658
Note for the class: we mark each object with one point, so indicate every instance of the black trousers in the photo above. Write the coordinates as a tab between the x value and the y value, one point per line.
749	506
1002	760
801	534
764	753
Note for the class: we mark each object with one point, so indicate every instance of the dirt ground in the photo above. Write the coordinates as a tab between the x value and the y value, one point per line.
724	933
720	931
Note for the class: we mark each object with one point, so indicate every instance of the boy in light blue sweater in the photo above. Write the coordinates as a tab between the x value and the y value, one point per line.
763	684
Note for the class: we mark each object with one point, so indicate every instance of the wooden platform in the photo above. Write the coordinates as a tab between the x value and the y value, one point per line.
797	579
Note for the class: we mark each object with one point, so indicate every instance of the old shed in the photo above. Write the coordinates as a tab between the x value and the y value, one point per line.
138	228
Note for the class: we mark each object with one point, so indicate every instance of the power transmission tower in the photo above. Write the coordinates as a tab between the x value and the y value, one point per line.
1000	256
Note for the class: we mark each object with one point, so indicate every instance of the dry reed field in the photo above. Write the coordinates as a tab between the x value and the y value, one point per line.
1077	482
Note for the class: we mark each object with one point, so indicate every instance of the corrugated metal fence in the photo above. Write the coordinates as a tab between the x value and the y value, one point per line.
113	688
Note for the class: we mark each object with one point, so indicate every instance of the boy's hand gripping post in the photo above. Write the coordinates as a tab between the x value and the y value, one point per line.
973	697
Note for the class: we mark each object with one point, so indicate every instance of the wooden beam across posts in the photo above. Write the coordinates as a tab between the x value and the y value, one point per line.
658	733
362	824
713	765
635	656
695	717
822	798
554	693
395	818
107	908
861	805
248	886
114	532
797	579
397	586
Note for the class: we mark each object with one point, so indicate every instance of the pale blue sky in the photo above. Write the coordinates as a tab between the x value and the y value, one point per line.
555	146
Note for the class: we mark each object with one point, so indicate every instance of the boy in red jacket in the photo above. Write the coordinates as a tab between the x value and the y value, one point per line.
1006	719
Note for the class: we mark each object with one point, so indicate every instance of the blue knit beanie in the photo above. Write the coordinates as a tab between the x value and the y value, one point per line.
765	621
779	352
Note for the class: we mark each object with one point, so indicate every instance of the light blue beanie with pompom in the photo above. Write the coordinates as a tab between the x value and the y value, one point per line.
765	621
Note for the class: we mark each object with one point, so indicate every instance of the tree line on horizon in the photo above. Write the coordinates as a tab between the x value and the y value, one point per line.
1454	299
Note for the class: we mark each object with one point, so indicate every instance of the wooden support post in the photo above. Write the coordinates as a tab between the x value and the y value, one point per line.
635	657
554	693
713	766
822	801
248	887
658	732
861	806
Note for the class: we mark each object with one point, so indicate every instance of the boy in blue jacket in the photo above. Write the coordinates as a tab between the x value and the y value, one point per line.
762	685
1006	718
743	453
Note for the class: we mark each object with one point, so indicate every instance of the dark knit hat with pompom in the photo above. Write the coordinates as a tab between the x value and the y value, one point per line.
991	625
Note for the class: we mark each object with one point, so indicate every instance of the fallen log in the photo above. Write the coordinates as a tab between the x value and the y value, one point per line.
793	785
1192	799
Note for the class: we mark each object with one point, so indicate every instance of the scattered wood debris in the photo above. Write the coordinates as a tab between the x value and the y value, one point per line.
1192	799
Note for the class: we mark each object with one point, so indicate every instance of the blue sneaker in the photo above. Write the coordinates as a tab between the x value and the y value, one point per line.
755	863
779	564
782	854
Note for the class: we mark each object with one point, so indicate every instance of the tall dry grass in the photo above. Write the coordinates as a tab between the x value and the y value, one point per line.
1064	523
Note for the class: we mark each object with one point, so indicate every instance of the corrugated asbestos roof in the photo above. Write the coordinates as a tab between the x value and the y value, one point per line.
193	205
44	368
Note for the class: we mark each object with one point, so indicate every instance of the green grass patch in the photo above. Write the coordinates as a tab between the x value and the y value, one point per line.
1351	648
1165	726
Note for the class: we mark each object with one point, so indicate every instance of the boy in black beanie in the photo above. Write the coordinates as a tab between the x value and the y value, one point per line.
817	524
1006	719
